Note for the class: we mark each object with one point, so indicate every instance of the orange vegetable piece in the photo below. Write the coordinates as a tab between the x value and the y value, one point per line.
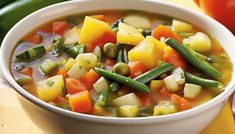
27	71
166	32
59	27
181	102
81	102
89	78
108	36
74	86
164	92
99	17
137	68
144	98
35	39
175	60
63	72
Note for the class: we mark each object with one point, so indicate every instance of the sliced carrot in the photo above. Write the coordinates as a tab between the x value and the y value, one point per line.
81	102
137	68
166	32
174	60
61	100
59	27
63	72
89	78
99	17
181	102
164	92
27	71
35	39
144	98
74	86
46	28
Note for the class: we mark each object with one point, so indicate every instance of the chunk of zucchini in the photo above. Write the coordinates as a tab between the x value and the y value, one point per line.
48	66
32	53
128	110
164	107
49	89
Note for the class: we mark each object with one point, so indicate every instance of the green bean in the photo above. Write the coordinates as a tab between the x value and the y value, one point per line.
194	60
119	57
190	78
125	56
98	52
102	99
114	86
58	47
154	73
122	79
122	55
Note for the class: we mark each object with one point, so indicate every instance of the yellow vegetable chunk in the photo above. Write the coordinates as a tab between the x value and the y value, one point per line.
48	89
92	29
156	85
72	35
160	46
146	52
128	110
70	62
128	35
181	26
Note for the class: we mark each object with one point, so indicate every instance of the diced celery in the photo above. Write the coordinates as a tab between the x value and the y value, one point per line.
48	66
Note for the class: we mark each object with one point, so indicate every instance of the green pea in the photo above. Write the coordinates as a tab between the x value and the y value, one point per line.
121	68
110	50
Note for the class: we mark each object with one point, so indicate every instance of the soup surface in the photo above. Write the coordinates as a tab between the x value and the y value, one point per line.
121	64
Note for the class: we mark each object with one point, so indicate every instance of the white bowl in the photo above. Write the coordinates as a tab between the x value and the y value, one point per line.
55	120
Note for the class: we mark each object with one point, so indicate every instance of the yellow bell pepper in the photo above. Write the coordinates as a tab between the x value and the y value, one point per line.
128	35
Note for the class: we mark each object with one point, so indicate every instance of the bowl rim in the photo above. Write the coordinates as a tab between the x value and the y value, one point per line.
101	119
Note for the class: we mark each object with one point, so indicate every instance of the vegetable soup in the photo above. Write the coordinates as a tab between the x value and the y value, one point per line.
121	64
